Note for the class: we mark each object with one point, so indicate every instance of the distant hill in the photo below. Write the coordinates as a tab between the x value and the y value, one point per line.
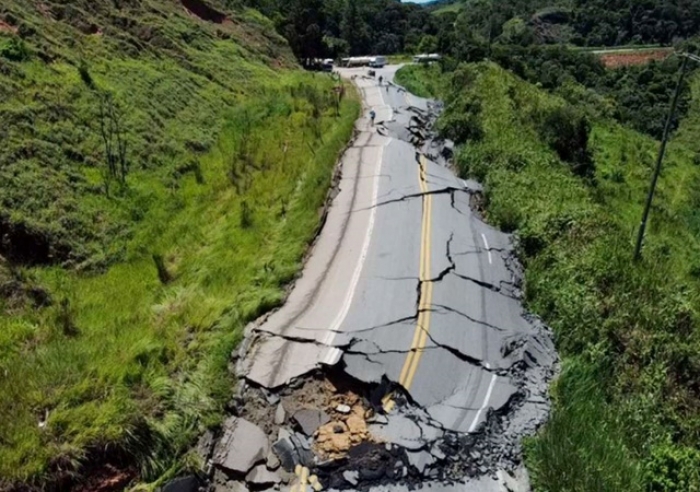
591	22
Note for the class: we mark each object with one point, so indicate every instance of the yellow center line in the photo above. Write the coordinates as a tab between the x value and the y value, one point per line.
423	325
420	335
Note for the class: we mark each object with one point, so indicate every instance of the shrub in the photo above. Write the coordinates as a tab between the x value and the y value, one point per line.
673	469
566	131
462	120
14	49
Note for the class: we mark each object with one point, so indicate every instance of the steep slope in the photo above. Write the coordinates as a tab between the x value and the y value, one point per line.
174	74
162	168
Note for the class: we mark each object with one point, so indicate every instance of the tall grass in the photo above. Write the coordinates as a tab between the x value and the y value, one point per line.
152	356
582	433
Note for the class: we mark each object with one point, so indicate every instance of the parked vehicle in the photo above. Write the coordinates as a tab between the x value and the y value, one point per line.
377	62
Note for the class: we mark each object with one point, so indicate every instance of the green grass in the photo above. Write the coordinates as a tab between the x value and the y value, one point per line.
231	157
421	81
627	406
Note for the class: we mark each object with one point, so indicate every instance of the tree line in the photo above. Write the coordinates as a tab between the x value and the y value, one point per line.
584	22
336	28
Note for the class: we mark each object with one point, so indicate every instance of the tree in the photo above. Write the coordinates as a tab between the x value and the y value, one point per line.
517	31
354	29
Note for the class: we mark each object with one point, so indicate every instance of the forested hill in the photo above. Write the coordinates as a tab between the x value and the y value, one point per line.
586	22
332	28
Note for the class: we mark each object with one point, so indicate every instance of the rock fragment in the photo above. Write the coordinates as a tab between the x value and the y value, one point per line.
184	484
351	477
280	415
344	409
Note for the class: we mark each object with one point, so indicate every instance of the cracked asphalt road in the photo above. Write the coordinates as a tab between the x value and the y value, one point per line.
407	289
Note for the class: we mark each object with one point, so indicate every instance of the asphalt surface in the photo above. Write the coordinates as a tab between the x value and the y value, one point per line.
408	291
406	231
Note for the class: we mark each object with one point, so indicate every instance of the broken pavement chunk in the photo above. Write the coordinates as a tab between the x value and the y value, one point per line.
309	420
243	446
292	450
420	460
260	475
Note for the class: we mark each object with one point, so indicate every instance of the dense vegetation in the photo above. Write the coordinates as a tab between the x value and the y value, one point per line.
581	22
154	197
638	96
335	28
627	412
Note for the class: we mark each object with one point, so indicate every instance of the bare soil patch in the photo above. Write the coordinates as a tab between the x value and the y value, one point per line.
632	58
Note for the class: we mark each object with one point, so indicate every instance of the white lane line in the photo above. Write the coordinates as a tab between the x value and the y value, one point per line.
333	355
475	422
486	243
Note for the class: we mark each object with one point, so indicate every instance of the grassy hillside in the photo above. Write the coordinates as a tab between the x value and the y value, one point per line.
627	412
124	288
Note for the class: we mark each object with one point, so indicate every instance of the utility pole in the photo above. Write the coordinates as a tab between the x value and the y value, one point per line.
660	158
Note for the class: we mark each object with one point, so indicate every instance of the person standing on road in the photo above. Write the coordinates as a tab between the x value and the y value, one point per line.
372	116
381	79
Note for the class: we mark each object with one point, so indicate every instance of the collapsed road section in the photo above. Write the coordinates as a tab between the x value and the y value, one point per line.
403	355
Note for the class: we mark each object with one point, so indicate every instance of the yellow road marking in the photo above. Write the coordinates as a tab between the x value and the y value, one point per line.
420	336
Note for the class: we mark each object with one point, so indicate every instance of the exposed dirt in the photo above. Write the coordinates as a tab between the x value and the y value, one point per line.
106	479
626	59
345	430
5	27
